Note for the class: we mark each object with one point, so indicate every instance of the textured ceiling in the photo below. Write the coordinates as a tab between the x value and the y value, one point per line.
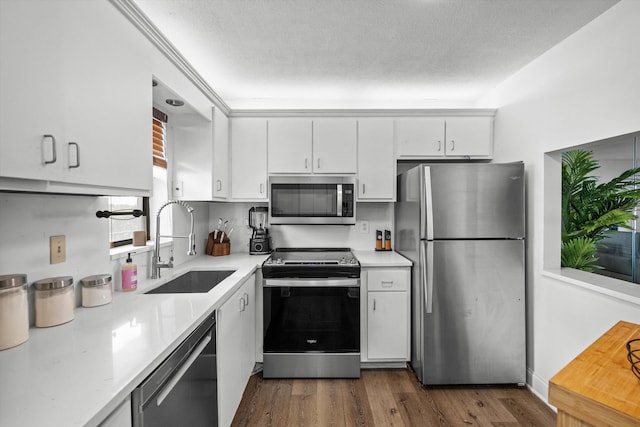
363	53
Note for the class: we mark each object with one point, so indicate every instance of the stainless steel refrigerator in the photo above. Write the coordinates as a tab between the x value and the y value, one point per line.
463	226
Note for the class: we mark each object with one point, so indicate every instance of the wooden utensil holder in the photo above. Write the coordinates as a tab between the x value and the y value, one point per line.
221	249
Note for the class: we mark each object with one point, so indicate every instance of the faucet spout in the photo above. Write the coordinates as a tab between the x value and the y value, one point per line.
156	263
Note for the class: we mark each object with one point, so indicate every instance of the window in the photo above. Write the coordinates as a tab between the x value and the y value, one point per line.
618	253
121	228
159	123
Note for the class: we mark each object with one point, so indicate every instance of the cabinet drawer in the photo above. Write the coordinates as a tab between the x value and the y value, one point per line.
387	280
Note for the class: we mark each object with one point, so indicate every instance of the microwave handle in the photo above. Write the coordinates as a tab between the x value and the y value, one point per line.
339	201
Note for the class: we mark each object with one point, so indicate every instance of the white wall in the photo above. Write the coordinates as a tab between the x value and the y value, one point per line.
585	89
379	216
28	220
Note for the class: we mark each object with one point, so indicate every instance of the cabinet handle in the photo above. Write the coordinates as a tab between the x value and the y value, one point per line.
54	157
218	185
363	189
387	283
261	188
318	162
453	145
306	163
439	145
77	152
245	298
243	304
374	304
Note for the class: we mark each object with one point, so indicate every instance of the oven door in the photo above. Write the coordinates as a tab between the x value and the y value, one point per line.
311	328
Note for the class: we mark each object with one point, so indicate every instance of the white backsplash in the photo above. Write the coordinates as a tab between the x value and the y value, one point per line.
378	215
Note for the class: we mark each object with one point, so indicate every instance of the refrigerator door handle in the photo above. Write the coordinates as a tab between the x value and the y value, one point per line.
426	206
426	254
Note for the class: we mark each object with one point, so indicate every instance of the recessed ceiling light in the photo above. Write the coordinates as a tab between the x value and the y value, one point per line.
175	102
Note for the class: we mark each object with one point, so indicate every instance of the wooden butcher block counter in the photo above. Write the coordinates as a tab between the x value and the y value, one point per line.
598	387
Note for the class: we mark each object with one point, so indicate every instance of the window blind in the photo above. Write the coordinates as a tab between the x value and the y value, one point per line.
158	132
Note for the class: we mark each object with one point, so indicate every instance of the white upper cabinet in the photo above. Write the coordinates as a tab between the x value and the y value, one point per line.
290	145
249	159
192	156
419	137
439	137
76	98
221	185
299	145
335	145
376	162
469	136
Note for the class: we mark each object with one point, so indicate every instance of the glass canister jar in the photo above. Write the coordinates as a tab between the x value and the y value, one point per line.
54	301
14	310
96	290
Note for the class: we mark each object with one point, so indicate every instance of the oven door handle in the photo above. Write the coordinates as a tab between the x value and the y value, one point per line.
311	283
183	369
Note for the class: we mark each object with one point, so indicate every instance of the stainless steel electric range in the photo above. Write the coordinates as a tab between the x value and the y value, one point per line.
311	313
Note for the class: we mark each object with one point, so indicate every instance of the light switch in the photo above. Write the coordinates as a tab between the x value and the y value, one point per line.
57	248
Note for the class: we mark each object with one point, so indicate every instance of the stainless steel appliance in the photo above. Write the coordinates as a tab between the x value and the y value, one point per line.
183	389
312	200
311	313
463	227
260	242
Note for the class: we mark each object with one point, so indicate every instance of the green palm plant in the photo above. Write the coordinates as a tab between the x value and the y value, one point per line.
590	209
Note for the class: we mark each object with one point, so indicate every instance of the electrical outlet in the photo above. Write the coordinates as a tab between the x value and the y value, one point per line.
364	227
57	249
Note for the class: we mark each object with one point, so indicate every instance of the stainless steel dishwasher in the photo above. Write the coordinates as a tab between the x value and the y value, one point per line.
183	389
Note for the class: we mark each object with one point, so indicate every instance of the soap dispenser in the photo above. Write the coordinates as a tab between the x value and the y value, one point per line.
129	275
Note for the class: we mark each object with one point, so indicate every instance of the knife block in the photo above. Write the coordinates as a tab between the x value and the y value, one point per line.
217	248
221	249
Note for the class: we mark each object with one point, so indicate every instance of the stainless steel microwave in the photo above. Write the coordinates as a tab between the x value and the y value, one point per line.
312	199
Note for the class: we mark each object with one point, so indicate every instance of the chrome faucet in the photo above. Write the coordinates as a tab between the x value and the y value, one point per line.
156	263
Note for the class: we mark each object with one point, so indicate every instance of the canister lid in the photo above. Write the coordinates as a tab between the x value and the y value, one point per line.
96	280
12	280
53	283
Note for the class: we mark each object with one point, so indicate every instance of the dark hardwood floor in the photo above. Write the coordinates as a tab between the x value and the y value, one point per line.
389	397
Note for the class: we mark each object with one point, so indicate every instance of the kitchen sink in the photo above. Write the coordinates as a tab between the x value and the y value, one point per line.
193	282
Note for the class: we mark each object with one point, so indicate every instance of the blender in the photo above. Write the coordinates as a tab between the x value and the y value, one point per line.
260	242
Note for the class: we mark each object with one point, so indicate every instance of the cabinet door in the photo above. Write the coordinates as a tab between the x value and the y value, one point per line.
235	335
192	156
334	146
81	73
419	137
249	159
220	155
376	163
30	90
107	81
387	328
469	136
289	145
120	417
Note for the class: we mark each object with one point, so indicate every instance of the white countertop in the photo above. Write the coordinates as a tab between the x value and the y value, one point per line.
381	259
77	373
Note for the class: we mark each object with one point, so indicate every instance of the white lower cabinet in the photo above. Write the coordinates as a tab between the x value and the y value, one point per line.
120	417
235	333
387	315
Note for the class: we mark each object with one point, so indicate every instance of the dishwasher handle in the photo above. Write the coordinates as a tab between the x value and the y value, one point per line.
183	369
